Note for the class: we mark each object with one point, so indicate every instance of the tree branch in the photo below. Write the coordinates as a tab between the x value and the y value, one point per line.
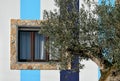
98	58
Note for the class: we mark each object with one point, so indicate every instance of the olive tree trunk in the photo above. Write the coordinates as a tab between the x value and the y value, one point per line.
110	75
108	70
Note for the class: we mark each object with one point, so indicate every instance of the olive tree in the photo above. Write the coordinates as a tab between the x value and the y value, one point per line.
87	33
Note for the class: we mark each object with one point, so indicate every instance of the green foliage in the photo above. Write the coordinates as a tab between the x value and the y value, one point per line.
109	31
84	30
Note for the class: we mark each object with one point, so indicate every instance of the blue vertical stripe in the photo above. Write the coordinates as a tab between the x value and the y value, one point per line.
30	9
112	2
69	75
99	73
29	75
107	2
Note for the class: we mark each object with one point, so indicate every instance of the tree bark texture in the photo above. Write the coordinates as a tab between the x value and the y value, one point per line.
108	71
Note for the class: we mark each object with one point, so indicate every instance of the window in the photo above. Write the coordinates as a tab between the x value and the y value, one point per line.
31	45
29	49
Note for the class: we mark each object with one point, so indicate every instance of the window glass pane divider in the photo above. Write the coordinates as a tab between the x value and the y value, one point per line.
32	46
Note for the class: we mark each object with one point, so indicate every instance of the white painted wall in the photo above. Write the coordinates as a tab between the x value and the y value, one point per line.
47	5
8	9
50	75
89	72
11	9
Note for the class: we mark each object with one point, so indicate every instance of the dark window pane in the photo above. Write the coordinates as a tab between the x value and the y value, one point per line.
39	47
25	45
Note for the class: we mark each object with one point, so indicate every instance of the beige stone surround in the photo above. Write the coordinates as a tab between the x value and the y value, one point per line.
14	64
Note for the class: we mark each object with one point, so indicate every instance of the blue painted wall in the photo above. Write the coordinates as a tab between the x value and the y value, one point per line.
30	9
68	75
112	3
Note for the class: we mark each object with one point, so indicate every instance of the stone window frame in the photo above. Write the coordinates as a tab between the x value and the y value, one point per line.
14	64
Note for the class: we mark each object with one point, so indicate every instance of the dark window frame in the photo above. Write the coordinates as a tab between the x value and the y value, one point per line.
32	31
